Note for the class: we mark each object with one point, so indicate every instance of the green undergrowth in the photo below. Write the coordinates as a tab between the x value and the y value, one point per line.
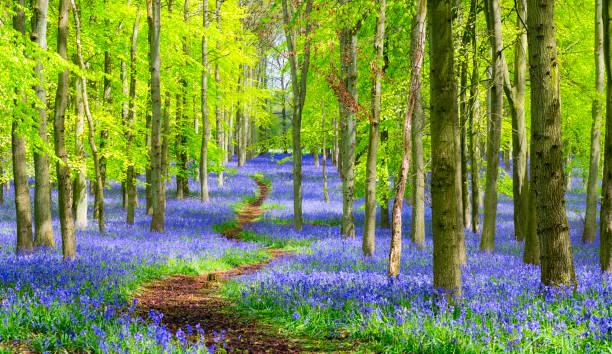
292	245
277	221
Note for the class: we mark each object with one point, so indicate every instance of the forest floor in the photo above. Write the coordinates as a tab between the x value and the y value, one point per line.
187	301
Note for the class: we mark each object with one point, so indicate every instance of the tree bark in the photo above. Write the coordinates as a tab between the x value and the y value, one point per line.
80	195
219	108
64	185
154	19
605	234
369	229
299	97
348	58
487	241
590	227
417	49
43	231
446	262
520	179
324	158
98	170
23	207
557	266
130	180
204	196
474	134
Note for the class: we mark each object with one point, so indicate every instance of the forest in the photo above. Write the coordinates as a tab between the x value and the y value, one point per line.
284	176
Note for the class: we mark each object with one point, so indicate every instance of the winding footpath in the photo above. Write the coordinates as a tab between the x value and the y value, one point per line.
195	299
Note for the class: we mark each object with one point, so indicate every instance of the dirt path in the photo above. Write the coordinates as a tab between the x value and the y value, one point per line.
191	300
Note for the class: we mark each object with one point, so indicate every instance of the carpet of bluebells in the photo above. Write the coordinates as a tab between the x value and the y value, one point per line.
326	290
50	305
330	290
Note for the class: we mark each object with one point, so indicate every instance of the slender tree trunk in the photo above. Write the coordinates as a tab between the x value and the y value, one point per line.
154	19
43	234
164	148
149	187
130	180
64	185
463	109
299	97
605	235
487	241
557	266
204	197
474	135
520	179
417	226
219	108
369	228
324	159
98	170
446	261
348	53
179	143
20	176
80	199
417	49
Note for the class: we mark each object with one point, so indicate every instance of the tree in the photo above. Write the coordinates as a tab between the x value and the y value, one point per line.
299	97
130	180
520	179
204	197
79	190
605	233
588	234
154	20
348	111
487	241
557	267
20	176
446	262
43	232
219	111
64	185
417	48
99	190
370	197
474	124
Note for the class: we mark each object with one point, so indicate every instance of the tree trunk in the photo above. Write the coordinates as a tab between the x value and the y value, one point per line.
154	19
348	53
219	108
22	191
130	180
204	197
149	187
80	195
164	148
43	234
64	185
299	97
417	48
99	200
487	241
605	234
557	266
520	179
324	159
369	228
446	262
474	135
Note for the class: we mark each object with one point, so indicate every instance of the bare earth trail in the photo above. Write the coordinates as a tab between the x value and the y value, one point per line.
189	299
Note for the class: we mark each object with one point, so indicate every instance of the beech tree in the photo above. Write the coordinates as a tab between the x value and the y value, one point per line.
556	260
